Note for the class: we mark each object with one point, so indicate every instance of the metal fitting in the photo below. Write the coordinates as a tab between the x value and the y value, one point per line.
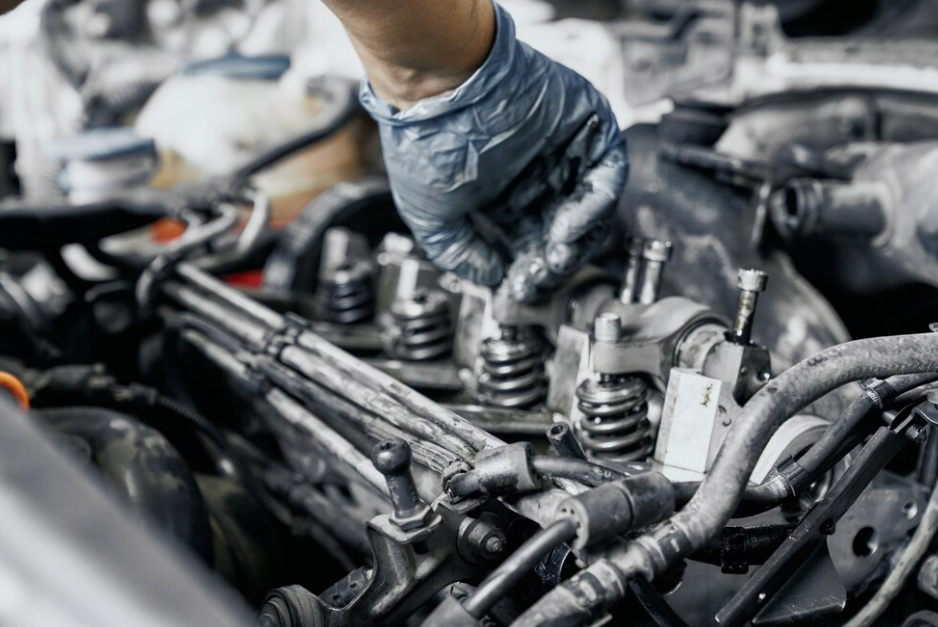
750	283
564	441
927	411
607	327
392	459
498	472
752	280
655	254
917	433
480	540
932	397
633	266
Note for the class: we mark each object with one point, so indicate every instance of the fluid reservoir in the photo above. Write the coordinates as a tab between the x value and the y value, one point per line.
215	116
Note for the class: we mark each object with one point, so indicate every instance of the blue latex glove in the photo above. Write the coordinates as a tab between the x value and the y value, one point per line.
526	142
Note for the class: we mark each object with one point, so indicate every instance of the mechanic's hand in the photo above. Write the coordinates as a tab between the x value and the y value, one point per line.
7	5
525	141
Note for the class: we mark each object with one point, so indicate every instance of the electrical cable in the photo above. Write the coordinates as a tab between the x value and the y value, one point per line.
341	105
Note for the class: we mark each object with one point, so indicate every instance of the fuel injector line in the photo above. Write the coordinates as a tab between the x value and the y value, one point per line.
426	451
288	341
309	353
255	336
508	475
593	590
293	413
579	470
562	439
837	440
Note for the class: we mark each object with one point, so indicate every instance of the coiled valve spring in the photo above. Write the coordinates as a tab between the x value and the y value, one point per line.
346	294
422	329
513	369
615	426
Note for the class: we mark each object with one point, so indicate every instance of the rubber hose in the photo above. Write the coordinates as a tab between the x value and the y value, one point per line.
604	583
501	580
838	439
43	227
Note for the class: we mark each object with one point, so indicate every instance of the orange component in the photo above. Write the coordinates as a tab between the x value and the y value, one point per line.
13	385
166	230
250	278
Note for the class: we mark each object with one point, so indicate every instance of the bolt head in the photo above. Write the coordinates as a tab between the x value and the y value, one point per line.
932	397
391	456
917	434
420	518
657	250
752	280
494	545
558	430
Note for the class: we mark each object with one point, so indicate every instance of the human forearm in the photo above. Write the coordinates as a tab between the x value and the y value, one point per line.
413	49
6	5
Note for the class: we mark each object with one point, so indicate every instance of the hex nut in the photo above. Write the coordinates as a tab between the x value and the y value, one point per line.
750	280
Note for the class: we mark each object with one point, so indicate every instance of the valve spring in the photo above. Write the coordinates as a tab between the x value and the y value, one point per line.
422	328
615	427
347	294
513	373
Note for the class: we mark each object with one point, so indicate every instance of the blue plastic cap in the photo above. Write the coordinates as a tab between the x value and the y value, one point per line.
100	145
239	67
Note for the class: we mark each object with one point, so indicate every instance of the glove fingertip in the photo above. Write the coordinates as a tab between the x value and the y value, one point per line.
522	290
488	275
488	272
567	228
562	257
